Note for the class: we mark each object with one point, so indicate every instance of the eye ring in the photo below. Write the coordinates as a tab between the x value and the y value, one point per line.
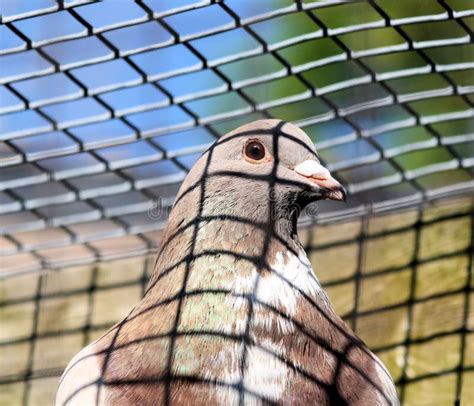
254	151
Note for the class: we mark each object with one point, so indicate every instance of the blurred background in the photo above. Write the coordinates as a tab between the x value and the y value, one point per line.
104	107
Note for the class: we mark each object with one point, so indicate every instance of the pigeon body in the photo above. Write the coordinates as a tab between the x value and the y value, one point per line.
234	313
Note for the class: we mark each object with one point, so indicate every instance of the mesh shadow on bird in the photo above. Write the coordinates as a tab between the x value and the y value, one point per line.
233	313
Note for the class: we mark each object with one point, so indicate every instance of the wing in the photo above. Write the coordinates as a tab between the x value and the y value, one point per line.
80	382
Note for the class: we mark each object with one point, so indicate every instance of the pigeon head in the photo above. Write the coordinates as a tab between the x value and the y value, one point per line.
267	169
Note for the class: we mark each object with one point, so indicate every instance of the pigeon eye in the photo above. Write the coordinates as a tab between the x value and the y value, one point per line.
255	151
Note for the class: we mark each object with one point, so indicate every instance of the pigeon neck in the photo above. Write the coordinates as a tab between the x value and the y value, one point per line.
237	226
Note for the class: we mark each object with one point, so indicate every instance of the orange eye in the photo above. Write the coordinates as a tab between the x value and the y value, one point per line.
255	150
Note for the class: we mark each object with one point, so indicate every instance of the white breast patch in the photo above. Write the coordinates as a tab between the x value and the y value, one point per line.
290	278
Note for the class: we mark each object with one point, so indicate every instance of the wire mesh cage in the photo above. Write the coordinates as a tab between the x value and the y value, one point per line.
106	106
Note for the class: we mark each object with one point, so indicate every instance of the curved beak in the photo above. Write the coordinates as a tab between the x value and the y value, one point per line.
320	176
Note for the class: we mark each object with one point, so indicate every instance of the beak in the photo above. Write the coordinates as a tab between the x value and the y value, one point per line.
319	175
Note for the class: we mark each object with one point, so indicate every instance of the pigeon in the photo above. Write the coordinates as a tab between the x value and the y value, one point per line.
233	312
